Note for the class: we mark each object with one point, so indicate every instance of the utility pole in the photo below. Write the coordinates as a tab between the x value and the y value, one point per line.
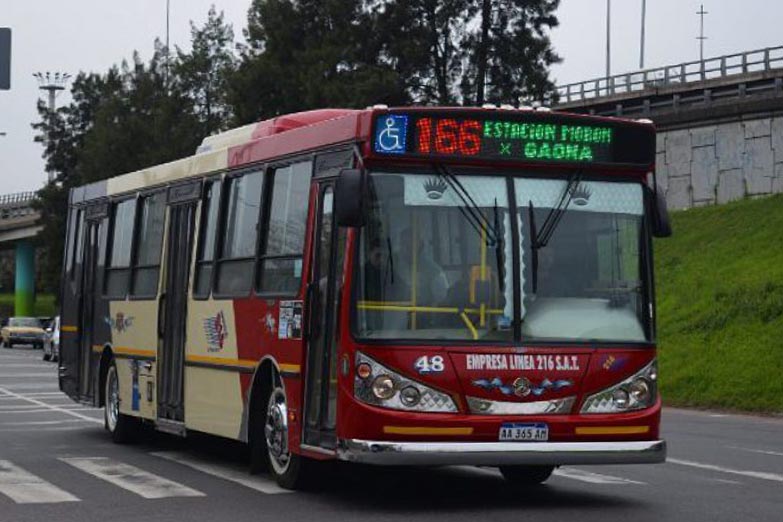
641	47
701	12
608	40
168	54
52	84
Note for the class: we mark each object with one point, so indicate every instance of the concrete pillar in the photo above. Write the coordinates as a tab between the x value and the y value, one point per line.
24	298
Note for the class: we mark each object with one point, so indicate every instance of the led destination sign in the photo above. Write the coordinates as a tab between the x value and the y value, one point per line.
549	138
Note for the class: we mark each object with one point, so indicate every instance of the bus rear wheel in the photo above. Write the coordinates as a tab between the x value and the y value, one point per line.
121	427
526	475
287	468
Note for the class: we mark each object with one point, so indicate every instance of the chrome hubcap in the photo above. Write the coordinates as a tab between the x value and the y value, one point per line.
276	431
112	400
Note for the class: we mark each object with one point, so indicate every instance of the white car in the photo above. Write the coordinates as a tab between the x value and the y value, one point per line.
51	345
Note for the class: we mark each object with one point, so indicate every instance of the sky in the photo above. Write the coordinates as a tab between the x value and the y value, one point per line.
92	35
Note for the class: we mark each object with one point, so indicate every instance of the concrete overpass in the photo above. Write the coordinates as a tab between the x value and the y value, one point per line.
18	226
720	122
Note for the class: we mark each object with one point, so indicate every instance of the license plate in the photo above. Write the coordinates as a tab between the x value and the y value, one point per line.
524	432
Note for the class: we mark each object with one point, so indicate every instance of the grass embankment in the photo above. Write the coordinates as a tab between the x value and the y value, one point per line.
720	307
44	305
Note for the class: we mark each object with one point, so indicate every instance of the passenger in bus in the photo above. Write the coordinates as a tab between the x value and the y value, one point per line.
431	282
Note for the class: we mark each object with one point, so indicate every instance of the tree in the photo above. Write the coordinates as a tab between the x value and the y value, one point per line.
204	72
508	52
310	54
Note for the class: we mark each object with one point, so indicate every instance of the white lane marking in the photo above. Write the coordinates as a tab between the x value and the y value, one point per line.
29	375
753	474
76	414
27	430
20	365
725	481
131	478
41	410
762	452
41	423
23	487
224	471
592	478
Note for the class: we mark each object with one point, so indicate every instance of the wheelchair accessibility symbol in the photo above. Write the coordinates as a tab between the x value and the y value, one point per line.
390	134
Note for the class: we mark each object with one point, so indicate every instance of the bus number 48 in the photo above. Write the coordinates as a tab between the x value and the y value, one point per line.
426	364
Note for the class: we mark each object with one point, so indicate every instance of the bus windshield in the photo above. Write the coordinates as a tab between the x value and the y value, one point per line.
436	260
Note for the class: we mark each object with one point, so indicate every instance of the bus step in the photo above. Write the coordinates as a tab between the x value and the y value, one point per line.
171	427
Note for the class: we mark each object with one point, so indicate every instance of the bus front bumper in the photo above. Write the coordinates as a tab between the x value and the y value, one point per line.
501	453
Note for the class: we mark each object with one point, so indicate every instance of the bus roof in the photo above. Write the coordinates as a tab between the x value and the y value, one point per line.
293	134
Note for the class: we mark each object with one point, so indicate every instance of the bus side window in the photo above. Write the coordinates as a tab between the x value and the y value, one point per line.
280	269
206	248
149	239
118	271
238	241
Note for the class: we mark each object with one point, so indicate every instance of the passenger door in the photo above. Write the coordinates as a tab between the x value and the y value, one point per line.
172	306
323	303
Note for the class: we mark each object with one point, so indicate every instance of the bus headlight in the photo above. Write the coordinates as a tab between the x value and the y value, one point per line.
383	387
637	392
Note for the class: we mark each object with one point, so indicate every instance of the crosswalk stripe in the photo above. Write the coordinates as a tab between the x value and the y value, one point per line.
23	487
711	467
10	393
225	471
131	478
592	478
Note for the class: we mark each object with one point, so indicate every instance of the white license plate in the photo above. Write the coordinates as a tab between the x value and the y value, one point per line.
524	432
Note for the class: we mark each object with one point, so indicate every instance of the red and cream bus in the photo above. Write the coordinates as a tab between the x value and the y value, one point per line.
421	286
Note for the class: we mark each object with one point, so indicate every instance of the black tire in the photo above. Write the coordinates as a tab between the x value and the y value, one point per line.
290	471
123	428
46	356
526	475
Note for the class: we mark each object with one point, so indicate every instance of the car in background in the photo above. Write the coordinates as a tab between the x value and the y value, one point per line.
22	330
51	346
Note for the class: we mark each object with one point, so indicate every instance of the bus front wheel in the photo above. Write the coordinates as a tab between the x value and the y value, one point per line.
121	427
287	468
526	475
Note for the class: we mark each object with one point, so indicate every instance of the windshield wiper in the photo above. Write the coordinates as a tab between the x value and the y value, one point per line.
470	209
540	239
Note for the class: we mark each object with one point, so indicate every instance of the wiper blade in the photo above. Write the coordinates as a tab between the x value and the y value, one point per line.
542	237
470	210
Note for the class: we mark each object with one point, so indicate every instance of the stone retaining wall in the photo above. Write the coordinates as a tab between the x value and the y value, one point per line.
721	163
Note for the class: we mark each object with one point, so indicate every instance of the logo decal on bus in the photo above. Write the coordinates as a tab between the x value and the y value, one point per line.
391	133
522	387
216	331
580	194
435	188
119	322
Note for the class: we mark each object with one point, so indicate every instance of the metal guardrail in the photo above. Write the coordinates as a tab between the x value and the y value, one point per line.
711	68
23	198
18	205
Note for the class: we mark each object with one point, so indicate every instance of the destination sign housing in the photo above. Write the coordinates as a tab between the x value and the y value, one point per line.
514	136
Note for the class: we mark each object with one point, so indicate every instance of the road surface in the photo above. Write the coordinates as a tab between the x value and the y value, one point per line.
57	463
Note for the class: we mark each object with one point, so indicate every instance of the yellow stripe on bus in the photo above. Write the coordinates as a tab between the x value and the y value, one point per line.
611	430
247	363
415	430
68	328
290	368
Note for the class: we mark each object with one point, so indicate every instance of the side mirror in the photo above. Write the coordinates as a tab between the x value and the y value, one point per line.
349	198
661	224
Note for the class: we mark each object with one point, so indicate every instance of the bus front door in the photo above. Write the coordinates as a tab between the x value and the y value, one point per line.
323	303
80	364
172	306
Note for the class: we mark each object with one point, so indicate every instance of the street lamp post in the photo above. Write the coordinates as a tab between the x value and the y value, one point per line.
52	84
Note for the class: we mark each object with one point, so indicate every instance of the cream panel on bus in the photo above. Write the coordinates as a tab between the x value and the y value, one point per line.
168	172
135	334
213	396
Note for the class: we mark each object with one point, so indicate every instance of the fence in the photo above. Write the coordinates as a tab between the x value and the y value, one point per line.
712	68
